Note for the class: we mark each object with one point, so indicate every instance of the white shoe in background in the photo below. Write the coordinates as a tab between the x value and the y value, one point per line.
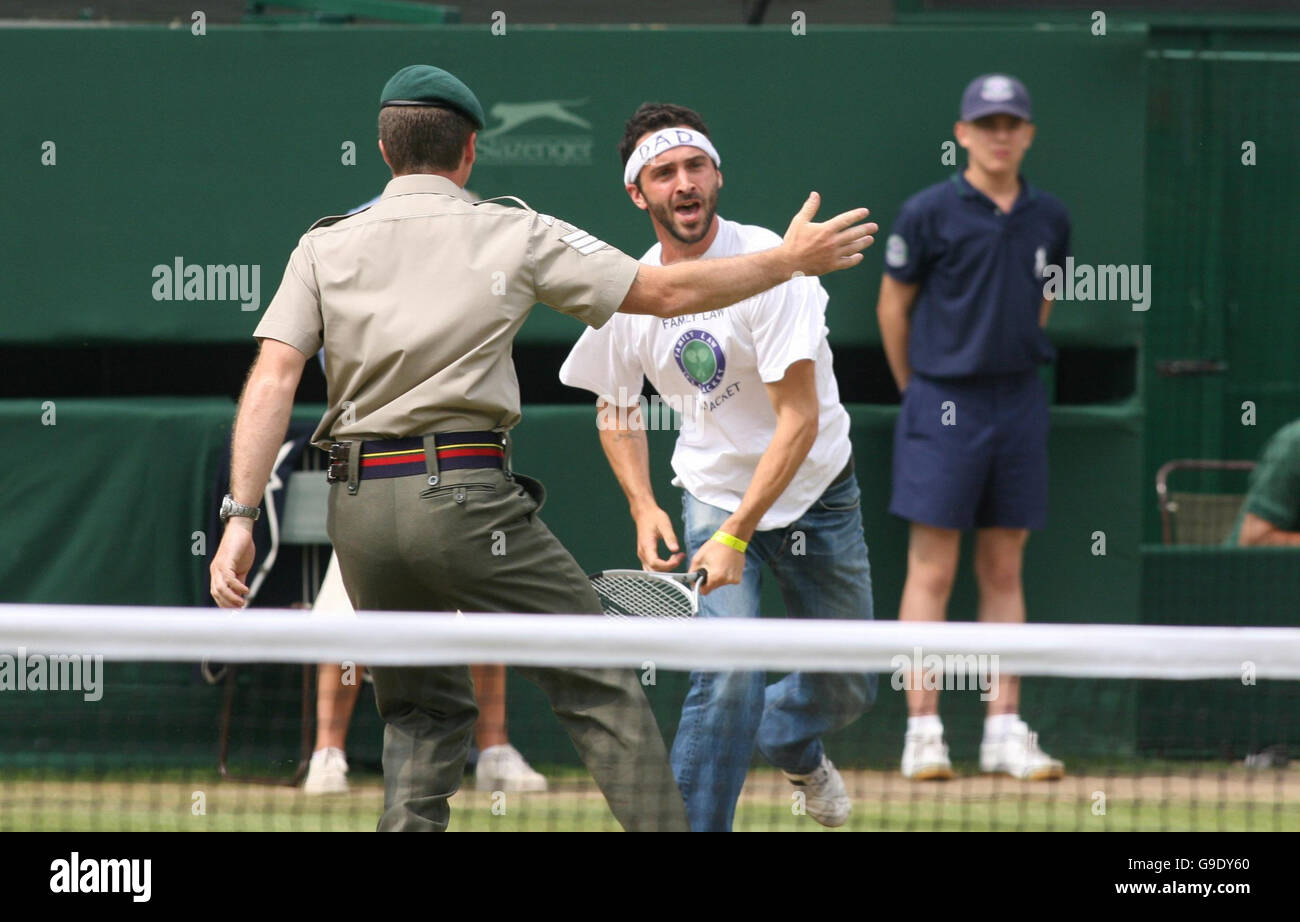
327	773
502	768
1017	754
925	757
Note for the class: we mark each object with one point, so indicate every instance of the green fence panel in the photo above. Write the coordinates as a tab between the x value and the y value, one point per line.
1223	143
109	502
82	553
1196	586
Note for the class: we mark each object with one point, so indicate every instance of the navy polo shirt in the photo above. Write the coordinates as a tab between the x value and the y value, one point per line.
981	274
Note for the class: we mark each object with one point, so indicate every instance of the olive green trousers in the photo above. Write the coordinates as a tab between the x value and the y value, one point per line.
473	542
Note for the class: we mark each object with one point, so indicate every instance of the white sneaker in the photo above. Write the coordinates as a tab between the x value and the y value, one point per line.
825	798
1017	754
925	757
502	768
327	773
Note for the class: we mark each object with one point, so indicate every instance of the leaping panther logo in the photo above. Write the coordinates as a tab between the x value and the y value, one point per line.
514	114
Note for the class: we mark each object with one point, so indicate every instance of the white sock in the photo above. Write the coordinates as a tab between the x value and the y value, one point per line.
999	725
927	725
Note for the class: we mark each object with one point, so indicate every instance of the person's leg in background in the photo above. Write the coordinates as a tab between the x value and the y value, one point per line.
720	716
999	553
1009	746
943	457
931	569
337	689
1015	503
501	767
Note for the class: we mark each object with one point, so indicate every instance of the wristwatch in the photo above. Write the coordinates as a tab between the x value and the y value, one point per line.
229	507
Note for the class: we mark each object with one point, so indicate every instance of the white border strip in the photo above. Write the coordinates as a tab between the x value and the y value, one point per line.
395	638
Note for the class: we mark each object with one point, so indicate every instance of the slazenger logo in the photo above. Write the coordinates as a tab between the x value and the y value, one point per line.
502	144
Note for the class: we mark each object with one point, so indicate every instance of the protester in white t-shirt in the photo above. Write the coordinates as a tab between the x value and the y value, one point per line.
766	465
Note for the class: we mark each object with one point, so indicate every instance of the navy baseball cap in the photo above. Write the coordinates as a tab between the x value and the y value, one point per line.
995	94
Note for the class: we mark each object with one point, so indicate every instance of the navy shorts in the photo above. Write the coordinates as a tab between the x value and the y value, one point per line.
972	452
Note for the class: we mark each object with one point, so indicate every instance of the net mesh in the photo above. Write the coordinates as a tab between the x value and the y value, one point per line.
1148	721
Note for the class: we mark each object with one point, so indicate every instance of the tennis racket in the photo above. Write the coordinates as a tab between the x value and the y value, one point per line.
640	593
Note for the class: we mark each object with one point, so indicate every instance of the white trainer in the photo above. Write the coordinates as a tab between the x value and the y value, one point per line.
925	757
1017	754
327	773
502	768
825	798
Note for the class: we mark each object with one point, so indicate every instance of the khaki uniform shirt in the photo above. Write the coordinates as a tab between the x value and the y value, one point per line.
417	301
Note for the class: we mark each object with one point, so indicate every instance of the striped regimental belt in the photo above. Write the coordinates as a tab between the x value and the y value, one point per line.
404	457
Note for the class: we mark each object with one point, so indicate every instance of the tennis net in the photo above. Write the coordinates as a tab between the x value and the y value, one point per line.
190	719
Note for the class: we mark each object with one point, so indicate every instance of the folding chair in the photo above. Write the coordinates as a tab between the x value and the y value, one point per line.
1198	518
302	525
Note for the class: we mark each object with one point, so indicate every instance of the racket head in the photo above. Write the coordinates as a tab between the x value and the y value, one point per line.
646	594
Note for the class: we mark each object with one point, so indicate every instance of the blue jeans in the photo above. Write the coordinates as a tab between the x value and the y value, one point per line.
820	564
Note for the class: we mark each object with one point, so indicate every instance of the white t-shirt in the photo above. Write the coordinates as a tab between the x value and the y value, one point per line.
714	366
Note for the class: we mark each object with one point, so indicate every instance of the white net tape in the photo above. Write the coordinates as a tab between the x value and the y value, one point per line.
406	638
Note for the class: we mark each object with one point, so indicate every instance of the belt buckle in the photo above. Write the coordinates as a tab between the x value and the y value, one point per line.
337	472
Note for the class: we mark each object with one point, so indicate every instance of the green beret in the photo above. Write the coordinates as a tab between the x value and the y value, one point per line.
425	85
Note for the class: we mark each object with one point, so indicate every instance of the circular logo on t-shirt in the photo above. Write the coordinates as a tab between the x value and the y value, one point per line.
700	358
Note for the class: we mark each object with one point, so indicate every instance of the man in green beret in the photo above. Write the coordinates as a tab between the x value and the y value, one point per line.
423	86
417	301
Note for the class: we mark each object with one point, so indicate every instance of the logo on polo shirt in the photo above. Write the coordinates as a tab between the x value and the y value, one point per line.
700	358
896	251
1040	261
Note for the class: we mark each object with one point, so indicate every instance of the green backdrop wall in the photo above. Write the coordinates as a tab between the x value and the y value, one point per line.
223	149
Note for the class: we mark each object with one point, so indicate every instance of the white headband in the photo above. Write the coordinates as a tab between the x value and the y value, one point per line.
663	140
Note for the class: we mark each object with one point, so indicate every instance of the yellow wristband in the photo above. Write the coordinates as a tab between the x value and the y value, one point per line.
731	541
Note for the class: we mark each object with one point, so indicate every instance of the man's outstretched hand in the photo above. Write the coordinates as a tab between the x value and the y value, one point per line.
819	248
